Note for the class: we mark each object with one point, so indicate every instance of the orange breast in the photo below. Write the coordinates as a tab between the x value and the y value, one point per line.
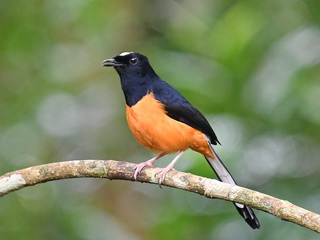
155	130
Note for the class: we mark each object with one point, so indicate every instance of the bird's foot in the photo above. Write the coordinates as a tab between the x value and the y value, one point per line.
138	168
148	163
162	174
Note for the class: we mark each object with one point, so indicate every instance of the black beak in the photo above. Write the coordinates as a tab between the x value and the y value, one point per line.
110	63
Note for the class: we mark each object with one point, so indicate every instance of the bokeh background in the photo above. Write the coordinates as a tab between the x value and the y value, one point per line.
252	67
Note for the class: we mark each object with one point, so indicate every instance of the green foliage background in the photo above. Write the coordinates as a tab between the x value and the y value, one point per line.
252	67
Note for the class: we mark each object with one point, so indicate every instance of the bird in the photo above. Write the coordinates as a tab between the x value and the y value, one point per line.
164	121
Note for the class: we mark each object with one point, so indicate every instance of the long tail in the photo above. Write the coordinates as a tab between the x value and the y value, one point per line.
224	176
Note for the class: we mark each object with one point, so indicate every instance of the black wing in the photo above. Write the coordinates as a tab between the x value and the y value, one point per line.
192	117
178	108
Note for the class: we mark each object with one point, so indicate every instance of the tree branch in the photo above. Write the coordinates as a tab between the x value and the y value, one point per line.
124	171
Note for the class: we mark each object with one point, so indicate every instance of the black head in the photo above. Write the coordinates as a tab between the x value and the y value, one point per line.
130	64
136	74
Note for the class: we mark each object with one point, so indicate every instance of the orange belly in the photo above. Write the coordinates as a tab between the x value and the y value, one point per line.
155	130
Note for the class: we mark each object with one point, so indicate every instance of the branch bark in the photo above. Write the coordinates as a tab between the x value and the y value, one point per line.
210	188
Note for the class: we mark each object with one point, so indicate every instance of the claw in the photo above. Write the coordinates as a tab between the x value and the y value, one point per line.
138	168
162	174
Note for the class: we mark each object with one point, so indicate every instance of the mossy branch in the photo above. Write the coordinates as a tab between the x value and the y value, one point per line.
110	169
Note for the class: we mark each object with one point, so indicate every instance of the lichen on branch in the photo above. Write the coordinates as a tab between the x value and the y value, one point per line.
111	169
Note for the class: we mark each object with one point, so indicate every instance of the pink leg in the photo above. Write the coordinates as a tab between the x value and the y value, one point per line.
162	174
148	163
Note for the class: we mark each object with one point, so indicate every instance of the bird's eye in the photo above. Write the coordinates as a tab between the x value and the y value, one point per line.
133	61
